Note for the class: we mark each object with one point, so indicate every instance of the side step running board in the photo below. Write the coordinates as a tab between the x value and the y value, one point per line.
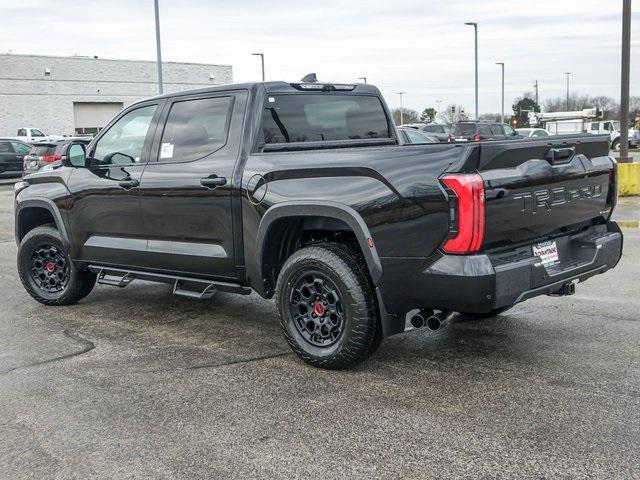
184	286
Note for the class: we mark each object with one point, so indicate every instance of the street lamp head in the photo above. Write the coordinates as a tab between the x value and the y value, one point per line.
259	54
475	24
500	63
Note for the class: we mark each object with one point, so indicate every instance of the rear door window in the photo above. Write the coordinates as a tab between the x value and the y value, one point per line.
5	147
484	130
324	117
497	129
195	129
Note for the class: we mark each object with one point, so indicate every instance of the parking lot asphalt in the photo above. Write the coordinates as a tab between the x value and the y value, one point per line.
137	383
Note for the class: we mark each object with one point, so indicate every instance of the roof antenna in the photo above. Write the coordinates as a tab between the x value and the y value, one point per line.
310	78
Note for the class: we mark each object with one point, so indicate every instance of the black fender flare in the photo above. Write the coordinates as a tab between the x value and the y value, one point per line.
48	205
311	208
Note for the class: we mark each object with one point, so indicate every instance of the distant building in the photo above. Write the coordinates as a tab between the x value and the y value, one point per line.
75	95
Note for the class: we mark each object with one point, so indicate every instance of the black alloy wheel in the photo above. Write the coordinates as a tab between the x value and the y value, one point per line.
316	308
49	269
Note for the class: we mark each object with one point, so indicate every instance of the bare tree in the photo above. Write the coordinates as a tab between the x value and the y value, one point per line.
452	114
408	116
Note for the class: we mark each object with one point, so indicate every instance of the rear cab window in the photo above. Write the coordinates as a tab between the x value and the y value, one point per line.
294	118
466	129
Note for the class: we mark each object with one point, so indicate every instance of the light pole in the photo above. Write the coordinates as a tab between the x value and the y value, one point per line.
438	103
502	111
535	85
401	108
624	94
261	55
475	30
158	49
567	74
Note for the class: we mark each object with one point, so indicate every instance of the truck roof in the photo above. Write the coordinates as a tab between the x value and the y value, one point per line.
273	87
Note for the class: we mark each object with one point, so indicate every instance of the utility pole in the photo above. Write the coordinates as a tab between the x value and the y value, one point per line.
535	85
624	94
502	111
401	108
475	30
364	79
261	55
567	74
158	48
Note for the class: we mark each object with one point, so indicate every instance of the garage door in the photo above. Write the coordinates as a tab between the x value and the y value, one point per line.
90	117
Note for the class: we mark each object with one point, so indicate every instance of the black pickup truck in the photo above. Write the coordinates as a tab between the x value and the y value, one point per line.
301	191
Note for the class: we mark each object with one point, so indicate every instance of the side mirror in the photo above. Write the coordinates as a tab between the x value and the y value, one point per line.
76	156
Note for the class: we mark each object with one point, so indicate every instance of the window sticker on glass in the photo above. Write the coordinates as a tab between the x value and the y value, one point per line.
166	150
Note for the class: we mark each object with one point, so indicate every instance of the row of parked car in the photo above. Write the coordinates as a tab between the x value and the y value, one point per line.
467	131
19	158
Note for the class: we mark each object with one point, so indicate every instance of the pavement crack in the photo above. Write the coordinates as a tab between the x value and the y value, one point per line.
87	346
245	360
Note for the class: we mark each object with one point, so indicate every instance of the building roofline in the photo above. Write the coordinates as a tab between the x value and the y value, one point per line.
86	57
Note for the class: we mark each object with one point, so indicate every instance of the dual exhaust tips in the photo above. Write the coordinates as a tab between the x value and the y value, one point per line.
430	319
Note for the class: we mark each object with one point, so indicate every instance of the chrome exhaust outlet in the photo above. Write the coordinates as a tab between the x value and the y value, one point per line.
437	320
417	320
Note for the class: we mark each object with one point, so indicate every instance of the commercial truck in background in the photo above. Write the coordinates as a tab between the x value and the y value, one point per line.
583	121
302	192
31	135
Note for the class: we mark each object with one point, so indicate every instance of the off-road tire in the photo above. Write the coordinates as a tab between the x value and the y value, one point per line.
79	283
615	145
361	333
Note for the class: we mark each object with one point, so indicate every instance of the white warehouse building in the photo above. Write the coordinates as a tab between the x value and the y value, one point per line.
79	95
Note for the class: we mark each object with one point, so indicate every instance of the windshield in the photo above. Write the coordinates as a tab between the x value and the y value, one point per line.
323	117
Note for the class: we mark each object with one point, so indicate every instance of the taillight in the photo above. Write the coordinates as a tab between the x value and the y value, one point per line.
51	158
451	137
467	213
476	137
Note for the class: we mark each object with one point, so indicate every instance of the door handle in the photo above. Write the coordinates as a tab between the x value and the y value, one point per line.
213	182
127	184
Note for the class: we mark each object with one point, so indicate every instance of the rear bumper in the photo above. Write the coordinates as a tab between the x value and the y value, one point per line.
481	283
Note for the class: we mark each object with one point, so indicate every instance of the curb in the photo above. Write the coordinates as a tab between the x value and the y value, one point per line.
628	223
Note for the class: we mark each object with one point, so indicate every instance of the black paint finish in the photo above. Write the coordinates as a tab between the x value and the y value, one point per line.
231	214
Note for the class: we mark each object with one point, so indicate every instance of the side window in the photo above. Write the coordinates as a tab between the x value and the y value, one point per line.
496	129
416	137
594	126
540	133
509	131
21	148
22	132
123	142
5	147
484	130
36	133
607	126
195	129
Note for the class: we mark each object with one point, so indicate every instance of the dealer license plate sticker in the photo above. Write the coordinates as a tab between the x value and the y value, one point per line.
547	252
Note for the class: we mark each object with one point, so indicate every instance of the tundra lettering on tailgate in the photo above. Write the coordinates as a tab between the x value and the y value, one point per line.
549	198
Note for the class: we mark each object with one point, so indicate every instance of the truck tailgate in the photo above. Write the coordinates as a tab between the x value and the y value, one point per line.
538	189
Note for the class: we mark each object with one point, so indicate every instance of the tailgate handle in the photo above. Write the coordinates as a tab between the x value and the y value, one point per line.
560	155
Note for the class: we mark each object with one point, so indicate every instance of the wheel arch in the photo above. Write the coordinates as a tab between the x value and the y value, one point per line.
34	213
279	227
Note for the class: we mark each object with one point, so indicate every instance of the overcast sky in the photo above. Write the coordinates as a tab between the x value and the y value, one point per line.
421	47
